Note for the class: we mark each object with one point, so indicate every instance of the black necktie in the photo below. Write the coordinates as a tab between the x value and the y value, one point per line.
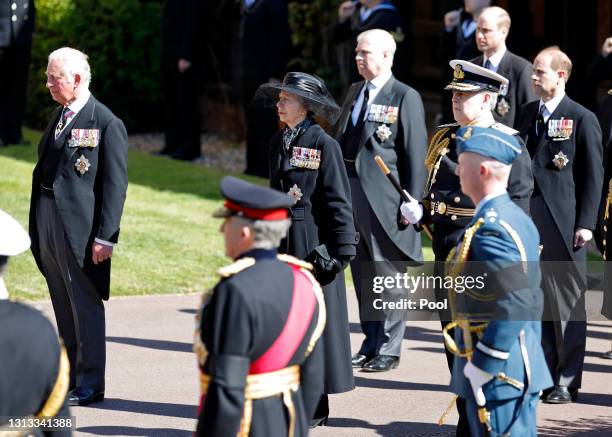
66	114
488	65
539	124
364	106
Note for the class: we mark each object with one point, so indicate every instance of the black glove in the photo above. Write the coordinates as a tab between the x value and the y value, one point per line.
325	266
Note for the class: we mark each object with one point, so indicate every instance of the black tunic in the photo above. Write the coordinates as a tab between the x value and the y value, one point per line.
245	315
323	215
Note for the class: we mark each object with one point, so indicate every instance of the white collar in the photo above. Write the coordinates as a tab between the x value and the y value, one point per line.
488	197
364	13
380	80
80	101
3	291
496	58
552	104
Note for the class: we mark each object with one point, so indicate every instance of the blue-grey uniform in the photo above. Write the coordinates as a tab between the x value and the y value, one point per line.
504	242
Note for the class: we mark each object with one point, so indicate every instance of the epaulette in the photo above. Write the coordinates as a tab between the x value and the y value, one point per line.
238	266
293	260
505	129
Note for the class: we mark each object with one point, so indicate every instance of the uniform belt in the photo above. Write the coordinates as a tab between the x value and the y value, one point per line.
265	385
437	207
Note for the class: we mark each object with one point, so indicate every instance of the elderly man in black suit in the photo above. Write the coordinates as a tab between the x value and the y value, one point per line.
381	116
491	33
78	191
16	28
564	141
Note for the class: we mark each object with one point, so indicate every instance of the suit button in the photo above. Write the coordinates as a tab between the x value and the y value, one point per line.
14	18
453	217
457	199
432	195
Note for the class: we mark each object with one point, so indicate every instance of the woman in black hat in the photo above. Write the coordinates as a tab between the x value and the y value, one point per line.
306	163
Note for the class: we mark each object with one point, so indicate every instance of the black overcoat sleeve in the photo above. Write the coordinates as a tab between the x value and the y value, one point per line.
114	180
520	182
226	330
411	144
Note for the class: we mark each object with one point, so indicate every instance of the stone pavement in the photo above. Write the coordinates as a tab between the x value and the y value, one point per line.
152	381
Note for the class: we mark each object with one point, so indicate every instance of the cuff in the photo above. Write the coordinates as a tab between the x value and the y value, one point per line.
104	242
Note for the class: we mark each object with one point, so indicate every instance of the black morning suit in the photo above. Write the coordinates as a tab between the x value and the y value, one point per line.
265	43
376	202
15	45
179	33
386	19
443	187
29	366
520	90
245	315
64	224
564	200
323	216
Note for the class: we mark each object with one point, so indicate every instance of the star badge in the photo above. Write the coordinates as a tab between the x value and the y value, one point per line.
560	160
82	165
383	132
296	193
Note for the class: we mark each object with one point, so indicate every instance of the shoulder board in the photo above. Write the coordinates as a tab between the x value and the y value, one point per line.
293	260
447	125
238	266
505	129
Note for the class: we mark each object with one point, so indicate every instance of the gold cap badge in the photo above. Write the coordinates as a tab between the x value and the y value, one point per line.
458	72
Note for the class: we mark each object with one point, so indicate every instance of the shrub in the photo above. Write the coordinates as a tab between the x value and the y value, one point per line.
121	38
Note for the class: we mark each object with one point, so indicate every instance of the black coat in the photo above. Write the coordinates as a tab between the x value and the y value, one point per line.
520	90
322	216
248	310
18	32
265	42
443	186
573	193
89	204
386	19
179	30
29	366
403	152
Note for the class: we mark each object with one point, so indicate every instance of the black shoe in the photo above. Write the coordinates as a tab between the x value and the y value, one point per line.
606	355
381	363
560	395
84	396
184	156
358	360
319	421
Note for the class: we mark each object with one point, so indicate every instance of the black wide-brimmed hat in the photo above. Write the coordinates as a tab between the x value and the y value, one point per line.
309	88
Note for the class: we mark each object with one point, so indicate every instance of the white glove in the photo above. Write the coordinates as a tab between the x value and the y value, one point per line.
477	378
412	211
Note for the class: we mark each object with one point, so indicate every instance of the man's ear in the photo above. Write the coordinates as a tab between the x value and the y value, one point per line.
77	80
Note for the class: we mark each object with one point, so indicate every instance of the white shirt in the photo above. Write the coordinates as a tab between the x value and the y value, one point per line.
495	60
488	197
468	28
364	13
374	87
550	106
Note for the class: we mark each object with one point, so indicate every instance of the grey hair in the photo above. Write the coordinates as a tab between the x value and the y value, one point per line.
382	39
493	100
267	234
73	62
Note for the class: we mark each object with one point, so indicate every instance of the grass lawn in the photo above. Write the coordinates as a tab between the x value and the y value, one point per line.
169	242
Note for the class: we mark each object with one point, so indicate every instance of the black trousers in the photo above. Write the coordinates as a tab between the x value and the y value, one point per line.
14	64
181	111
78	308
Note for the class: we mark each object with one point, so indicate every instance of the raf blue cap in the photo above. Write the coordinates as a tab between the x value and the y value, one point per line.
488	142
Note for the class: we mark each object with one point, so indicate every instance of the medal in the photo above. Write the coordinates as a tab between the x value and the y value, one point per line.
502	107
82	165
560	160
296	193
383	132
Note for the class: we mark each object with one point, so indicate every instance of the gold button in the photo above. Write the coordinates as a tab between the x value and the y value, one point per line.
453	136
432	195
432	212
453	217
14	6
14	18
441	207
457	199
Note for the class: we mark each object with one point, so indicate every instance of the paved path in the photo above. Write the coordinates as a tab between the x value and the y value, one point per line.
152	381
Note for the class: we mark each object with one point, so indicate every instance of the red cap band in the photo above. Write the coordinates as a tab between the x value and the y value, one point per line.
258	214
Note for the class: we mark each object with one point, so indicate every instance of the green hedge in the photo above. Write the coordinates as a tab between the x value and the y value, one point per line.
121	38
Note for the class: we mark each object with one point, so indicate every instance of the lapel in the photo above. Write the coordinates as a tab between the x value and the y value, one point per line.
559	111
384	96
348	108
